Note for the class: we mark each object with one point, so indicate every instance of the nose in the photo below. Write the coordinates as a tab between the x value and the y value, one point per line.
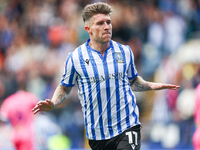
106	26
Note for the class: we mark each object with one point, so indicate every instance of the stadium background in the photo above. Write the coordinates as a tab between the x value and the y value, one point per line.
36	36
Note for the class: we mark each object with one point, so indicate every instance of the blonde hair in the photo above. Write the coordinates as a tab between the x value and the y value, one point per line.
96	8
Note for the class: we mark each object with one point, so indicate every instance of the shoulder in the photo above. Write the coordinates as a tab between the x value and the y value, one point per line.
123	47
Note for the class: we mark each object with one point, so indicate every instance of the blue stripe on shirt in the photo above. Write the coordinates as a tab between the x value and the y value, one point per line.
130	91
134	106
85	103
108	95
69	84
98	89
124	88
90	93
132	64
117	92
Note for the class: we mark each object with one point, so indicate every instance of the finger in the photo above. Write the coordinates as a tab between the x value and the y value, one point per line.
175	88
48	100
37	106
34	108
41	103
36	111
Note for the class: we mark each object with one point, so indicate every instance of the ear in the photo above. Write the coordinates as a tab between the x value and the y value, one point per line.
87	28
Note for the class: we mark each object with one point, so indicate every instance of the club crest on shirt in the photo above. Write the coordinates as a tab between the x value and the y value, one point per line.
119	57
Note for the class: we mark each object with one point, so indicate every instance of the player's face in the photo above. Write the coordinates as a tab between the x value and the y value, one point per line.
100	29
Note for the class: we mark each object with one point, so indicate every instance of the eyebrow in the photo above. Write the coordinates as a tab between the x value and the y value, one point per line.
103	20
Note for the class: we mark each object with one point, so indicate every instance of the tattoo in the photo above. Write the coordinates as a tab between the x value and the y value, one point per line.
61	94
138	84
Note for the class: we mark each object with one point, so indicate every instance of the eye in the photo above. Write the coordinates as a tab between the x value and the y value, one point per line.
109	22
100	23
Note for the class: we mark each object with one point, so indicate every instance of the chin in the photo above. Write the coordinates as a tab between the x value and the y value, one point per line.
107	40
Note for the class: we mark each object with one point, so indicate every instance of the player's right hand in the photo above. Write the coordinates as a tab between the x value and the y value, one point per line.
46	105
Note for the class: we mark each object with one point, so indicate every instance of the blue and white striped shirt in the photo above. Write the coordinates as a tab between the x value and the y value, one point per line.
108	103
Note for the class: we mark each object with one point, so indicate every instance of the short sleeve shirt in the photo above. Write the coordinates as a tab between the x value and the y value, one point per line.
108	103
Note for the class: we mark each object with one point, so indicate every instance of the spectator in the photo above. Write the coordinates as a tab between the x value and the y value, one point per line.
196	136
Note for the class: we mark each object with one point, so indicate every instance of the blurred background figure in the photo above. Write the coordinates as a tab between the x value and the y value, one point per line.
17	109
196	136
5	133
28	131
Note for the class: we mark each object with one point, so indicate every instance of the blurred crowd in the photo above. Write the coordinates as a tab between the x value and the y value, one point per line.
36	37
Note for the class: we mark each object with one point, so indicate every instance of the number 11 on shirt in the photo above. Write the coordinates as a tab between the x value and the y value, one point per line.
130	135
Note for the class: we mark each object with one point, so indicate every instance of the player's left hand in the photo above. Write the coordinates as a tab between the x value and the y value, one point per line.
160	86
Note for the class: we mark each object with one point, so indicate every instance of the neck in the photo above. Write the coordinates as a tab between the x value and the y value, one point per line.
101	47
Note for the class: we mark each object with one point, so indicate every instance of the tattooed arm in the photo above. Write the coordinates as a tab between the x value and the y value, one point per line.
139	84
60	95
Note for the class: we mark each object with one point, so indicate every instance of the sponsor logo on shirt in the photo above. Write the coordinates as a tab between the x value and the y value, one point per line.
101	78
